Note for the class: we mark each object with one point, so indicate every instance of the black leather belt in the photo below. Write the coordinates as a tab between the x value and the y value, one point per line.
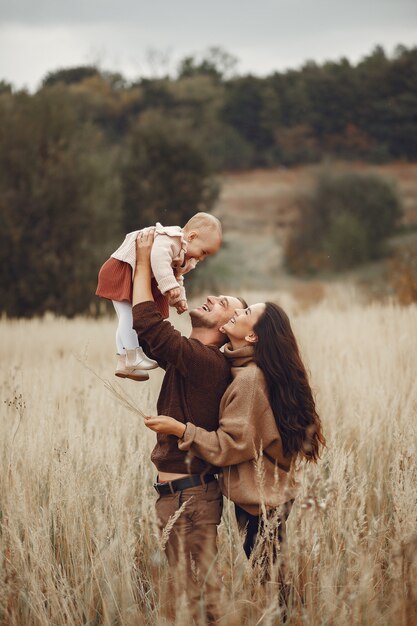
183	483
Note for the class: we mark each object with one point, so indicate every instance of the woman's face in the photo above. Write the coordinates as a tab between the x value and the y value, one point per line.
240	326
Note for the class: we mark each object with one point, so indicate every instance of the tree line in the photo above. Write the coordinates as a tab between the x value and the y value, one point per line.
90	156
366	111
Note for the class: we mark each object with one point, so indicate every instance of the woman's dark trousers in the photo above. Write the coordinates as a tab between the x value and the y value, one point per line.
265	542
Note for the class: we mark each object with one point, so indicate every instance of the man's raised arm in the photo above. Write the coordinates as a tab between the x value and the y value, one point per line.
165	343
142	291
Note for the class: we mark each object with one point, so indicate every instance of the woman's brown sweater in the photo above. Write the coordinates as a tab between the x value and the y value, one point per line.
247	444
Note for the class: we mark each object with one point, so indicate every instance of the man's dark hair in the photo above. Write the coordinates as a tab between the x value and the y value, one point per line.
244	303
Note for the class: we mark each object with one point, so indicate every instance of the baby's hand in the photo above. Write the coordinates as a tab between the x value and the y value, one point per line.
181	306
173	294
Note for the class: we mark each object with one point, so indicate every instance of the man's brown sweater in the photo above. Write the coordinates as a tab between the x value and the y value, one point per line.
196	377
247	444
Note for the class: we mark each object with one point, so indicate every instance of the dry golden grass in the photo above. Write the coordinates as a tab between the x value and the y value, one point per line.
78	540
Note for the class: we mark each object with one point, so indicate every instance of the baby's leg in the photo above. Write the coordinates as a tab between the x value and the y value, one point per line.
126	337
119	342
128	345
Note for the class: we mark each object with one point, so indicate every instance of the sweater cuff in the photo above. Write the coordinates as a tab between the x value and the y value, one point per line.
188	437
166	283
142	312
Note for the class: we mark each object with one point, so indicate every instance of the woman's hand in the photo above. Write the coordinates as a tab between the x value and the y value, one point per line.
166	425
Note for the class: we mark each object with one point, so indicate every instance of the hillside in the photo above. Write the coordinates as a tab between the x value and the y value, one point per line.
257	208
264	199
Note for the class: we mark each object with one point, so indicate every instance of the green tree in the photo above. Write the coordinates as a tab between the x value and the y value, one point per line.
245	109
215	62
164	178
48	226
71	75
5	87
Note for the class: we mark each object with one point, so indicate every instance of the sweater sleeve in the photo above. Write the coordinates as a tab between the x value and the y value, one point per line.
183	295
165	248
193	359
237	439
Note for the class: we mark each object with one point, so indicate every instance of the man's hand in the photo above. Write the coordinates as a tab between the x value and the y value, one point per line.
142	291
166	425
144	243
181	306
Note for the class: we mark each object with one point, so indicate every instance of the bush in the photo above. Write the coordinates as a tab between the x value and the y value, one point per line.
347	242
343	222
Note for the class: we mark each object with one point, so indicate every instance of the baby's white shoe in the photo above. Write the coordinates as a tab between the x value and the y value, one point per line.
134	373
137	358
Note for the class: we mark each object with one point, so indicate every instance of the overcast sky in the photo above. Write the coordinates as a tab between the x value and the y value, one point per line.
37	36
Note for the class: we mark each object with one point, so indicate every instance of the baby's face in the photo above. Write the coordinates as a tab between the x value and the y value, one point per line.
202	244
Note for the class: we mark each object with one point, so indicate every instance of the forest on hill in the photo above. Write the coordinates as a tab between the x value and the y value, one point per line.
366	111
89	155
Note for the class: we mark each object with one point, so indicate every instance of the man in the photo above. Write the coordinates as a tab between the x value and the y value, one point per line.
196	376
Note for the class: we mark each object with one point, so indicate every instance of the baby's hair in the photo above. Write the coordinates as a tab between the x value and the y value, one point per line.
201	221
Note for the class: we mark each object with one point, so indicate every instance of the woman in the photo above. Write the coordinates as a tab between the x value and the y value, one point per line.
268	424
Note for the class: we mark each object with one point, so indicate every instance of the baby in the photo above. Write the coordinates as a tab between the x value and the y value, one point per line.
175	251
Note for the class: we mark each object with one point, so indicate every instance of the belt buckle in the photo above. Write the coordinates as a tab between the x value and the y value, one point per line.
159	487
168	484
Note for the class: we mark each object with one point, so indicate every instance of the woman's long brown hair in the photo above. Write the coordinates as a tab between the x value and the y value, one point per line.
290	395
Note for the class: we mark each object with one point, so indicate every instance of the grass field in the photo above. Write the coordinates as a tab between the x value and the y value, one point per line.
78	541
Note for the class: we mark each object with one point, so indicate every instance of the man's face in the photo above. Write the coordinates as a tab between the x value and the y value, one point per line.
216	311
